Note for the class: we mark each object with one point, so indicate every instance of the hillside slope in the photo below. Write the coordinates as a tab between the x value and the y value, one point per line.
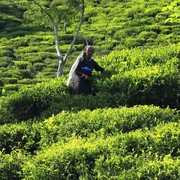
28	50
128	129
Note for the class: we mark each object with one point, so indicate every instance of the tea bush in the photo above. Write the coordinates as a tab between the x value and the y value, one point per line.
110	157
24	136
131	84
158	82
10	80
33	136
38	66
22	64
10	89
48	133
103	122
11	164
30	102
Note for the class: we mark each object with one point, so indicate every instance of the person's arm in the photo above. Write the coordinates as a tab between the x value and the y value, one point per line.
97	67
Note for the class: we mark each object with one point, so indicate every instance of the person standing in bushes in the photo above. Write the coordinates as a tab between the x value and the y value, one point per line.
81	72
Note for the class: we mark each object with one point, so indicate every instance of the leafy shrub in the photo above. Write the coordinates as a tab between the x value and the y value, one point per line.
107	121
166	30
109	157
152	12
30	102
10	88
11	73
30	81
16	42
51	73
19	136
143	73
22	64
10	80
147	34
11	165
26	73
3	64
102	122
38	66
144	84
20	33
5	61
5	52
131	42
133	11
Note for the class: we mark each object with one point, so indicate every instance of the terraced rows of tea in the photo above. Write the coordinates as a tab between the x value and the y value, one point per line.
129	128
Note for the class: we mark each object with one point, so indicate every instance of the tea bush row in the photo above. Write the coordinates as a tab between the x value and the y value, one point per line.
105	122
30	102
129	15
33	64
139	57
132	18
11	165
157	84
141	154
30	59
24	136
142	151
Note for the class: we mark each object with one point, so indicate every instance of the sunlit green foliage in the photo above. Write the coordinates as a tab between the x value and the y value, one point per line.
128	129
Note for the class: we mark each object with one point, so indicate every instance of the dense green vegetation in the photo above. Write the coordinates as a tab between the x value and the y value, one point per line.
128	129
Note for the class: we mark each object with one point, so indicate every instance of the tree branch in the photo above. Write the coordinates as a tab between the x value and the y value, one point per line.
77	31
44	11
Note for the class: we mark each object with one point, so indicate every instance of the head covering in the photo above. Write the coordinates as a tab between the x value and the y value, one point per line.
87	48
72	70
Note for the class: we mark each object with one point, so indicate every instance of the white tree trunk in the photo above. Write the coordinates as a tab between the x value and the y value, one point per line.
62	59
56	38
60	68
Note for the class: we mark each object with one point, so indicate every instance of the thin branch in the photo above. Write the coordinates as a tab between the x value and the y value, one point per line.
77	31
44	11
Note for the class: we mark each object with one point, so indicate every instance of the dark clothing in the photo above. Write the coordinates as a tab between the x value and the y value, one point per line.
82	85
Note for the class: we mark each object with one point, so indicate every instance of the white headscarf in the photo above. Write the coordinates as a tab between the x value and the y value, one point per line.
72	70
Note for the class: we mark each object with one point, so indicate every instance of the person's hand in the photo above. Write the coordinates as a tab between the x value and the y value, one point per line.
106	73
86	77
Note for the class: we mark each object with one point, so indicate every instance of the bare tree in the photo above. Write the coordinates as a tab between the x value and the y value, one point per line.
80	7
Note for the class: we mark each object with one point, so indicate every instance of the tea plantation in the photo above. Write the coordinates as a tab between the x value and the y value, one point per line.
129	128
